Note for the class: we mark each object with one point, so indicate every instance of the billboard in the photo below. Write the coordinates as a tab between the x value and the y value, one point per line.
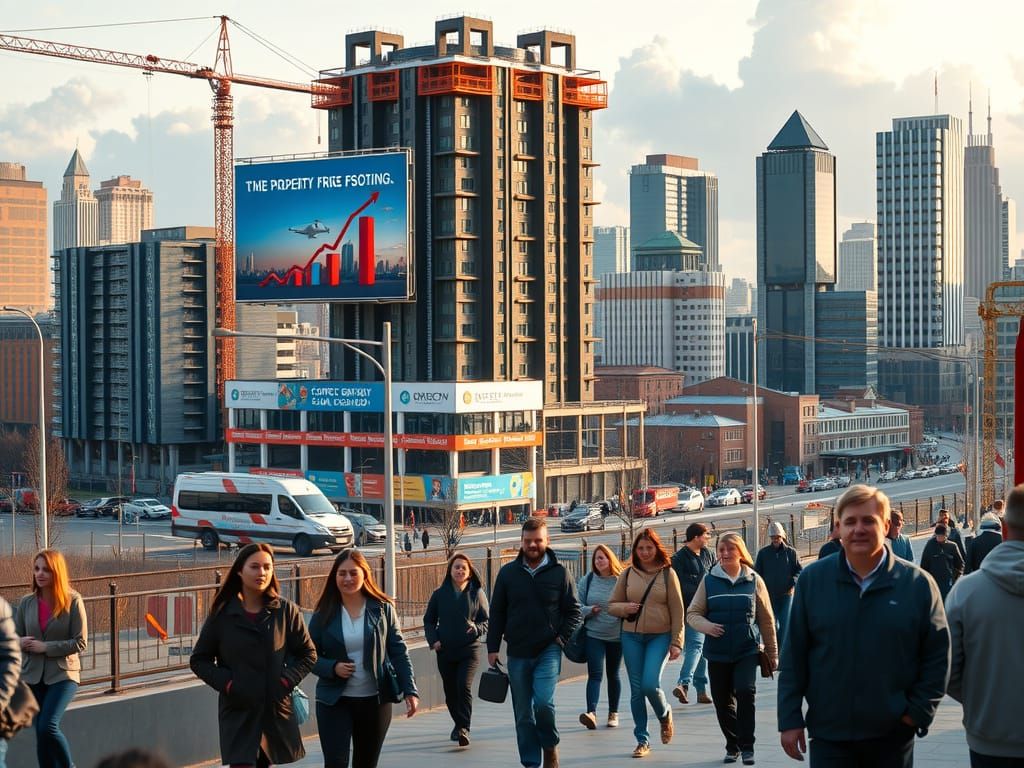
324	229
496	487
330	396
355	485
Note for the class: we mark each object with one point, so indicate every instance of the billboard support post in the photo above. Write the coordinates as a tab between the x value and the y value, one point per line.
384	366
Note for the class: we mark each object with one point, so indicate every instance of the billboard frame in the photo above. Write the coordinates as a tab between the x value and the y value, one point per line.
411	261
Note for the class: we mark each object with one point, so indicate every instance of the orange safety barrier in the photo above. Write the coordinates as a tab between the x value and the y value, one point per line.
586	92
527	86
455	77
338	93
383	86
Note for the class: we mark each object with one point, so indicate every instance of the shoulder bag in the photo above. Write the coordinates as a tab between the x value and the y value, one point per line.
300	705
19	712
494	684
636	614
576	648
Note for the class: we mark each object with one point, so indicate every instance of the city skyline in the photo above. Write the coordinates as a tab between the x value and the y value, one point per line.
729	77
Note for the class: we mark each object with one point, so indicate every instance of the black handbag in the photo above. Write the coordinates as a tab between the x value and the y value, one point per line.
19	712
390	688
494	684
636	614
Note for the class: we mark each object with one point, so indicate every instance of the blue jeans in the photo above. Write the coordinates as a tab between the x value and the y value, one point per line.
695	666
3	753
604	657
645	656
780	607
52	750
533	682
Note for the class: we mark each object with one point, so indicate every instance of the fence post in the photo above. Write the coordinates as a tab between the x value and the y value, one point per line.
743	528
115	644
297	588
217	576
143	546
490	569
675	539
622	545
583	552
792	527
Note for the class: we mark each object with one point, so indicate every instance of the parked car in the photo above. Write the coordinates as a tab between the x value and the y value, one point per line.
804	486
843	481
948	468
105	506
367	529
823	484
690	500
887	477
907	474
929	471
585	517
146	509
724	497
748	493
6	505
65	507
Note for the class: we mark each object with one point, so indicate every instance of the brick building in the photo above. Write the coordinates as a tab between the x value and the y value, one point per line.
651	384
697	449
19	371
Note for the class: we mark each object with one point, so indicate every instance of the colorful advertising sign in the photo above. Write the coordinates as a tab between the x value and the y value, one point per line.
258	395
353	485
496	487
330	396
324	229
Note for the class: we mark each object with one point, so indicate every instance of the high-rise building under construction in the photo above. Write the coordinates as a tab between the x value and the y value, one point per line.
502	141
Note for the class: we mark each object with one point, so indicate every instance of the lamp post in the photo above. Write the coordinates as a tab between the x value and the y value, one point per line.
43	522
384	366
755	499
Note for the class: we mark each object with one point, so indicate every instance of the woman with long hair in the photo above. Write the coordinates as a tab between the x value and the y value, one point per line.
254	650
648	599
732	608
604	641
51	623
455	620
361	657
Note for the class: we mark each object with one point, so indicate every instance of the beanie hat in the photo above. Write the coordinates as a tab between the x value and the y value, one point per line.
776	529
990	522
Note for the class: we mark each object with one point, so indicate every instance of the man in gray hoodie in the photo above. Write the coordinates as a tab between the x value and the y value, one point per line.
986	621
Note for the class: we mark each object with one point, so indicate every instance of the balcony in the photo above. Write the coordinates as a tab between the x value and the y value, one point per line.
331	92
383	86
455	77
527	86
585	92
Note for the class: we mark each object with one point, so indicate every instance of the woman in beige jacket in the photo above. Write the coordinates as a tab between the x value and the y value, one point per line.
733	609
51	624
648	599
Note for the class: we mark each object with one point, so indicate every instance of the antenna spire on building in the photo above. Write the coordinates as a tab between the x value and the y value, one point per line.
936	92
990	117
970	110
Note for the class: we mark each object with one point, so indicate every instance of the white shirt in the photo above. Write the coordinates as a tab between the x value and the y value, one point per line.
867	580
362	683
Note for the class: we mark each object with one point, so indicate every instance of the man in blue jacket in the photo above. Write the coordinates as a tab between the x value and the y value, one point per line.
535	609
868	648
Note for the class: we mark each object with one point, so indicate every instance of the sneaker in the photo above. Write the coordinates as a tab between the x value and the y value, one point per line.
551	757
613	719
666	728
748	757
680	693
643	749
703	698
731	757
463	737
454	735
589	719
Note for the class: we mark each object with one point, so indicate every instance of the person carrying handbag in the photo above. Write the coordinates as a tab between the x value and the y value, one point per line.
603	642
648	598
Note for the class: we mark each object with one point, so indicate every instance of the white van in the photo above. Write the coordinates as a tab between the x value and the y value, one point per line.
230	508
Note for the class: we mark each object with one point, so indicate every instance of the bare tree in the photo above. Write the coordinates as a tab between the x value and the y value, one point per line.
450	528
56	480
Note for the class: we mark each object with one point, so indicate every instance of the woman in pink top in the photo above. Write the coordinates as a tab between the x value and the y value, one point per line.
52	625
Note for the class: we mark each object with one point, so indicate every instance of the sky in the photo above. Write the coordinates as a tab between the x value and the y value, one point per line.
711	80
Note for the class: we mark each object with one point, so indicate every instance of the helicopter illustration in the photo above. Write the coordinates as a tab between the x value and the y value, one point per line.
311	230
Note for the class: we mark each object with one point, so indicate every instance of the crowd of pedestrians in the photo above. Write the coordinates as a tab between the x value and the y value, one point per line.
869	642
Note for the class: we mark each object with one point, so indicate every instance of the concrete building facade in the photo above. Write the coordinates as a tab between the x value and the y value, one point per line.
739	298
983	212
76	221
846	340
1008	231
125	210
739	347
796	251
24	247
611	250
136	375
671	193
19	371
857	267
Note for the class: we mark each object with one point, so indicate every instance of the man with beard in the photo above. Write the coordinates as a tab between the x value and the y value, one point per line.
534	608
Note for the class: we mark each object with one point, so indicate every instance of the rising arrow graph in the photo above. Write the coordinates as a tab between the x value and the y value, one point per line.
296	271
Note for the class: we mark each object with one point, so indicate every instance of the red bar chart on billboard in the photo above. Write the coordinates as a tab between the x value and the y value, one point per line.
323	229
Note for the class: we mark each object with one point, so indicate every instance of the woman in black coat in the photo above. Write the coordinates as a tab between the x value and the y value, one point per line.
362	662
455	620
253	650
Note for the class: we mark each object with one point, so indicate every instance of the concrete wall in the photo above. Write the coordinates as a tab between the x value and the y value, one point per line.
180	720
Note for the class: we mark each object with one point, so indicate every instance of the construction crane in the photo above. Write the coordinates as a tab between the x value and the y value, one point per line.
990	310
220	76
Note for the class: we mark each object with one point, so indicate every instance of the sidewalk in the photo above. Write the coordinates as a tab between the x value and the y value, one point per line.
423	740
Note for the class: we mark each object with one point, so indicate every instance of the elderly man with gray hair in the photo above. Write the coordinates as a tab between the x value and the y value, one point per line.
986	622
778	565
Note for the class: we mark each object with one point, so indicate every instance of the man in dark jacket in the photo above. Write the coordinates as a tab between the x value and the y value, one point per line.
989	537
10	665
778	565
868	648
693	560
941	558
534	608
952	532
833	545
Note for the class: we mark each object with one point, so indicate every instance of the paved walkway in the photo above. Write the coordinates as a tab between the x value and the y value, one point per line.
423	740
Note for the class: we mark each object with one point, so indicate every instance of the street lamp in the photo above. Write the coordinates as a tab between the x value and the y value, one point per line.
756	500
45	538
384	366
